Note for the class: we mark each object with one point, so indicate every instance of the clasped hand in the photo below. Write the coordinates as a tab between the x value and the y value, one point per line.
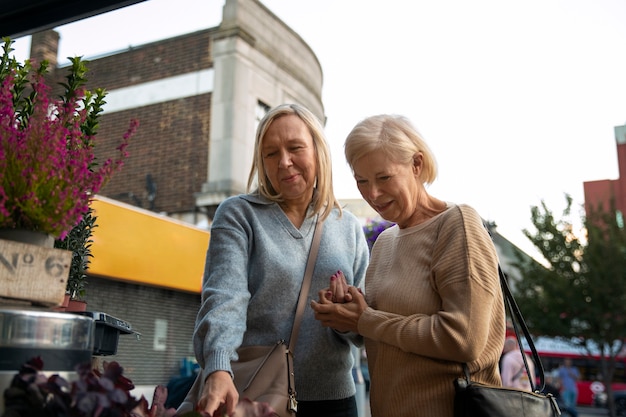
340	305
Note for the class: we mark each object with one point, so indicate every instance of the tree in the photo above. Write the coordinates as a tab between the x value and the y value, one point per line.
578	295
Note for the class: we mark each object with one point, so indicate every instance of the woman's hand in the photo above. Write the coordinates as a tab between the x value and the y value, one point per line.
343	317
247	408
337	290
219	389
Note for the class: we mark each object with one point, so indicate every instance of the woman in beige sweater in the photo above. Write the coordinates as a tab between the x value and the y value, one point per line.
432	293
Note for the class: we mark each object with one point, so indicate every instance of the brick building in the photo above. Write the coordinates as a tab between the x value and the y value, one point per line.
198	98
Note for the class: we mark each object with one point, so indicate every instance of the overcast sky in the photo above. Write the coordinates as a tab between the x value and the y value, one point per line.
518	99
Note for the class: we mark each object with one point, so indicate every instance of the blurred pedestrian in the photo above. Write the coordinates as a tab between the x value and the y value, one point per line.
552	387
513	369
569	376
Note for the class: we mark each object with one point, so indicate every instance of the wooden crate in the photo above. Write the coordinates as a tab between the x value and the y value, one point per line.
33	273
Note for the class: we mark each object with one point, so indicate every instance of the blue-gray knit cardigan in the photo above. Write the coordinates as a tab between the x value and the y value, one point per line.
254	269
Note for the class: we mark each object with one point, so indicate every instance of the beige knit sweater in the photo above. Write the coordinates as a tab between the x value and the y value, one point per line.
434	302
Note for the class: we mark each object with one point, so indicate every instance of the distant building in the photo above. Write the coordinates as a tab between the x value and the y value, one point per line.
599	195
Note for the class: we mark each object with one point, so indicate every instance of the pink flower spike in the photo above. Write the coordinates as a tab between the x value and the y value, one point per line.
48	169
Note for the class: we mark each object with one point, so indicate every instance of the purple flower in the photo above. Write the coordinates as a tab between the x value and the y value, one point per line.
373	228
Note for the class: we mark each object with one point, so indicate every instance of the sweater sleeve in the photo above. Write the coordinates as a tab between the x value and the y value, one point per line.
220	323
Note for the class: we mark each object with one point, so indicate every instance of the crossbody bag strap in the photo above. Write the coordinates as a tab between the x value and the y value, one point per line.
306	283
519	323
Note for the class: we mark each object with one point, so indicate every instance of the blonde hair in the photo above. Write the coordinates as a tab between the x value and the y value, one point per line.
324	198
396	137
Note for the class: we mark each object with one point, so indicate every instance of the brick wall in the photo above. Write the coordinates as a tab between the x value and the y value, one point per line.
152	61
171	143
143	307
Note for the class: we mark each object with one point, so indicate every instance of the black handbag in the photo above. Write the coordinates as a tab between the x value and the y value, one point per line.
473	399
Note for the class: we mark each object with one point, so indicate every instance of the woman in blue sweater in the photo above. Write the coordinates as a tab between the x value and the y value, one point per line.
256	260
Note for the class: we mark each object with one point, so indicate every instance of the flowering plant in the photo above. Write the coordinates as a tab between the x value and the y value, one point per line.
373	228
48	170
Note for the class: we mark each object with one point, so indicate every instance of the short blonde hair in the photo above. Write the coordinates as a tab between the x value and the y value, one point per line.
396	137
324	198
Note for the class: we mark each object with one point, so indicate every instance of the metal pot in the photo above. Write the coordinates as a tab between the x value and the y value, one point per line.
62	340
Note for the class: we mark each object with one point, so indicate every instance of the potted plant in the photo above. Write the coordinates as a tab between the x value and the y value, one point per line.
48	168
94	393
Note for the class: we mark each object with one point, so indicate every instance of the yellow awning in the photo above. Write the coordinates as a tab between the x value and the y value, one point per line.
136	245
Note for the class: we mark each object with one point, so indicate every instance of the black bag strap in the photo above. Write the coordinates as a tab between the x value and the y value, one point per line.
519	323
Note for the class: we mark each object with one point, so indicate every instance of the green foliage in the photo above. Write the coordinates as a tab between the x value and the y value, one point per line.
94	101
551	298
579	294
79	241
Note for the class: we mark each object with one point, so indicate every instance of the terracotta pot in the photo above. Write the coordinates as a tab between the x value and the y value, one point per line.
76	305
64	304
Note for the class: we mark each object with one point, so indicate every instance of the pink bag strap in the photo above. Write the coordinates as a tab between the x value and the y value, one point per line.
306	284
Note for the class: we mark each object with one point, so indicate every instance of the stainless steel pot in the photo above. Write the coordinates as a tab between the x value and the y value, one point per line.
62	340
